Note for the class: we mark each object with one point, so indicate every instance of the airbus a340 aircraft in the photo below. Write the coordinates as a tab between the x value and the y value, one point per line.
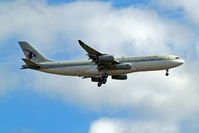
99	66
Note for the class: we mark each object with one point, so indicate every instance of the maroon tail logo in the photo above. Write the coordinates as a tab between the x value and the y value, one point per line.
30	55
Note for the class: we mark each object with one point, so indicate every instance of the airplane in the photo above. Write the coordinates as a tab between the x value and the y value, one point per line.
99	66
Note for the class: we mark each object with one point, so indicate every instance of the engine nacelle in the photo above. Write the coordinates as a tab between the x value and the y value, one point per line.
123	66
120	77
106	58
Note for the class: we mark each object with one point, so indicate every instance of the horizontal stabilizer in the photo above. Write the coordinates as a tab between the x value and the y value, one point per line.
30	64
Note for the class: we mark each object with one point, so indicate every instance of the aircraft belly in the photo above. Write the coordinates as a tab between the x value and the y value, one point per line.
150	66
73	71
154	65
84	71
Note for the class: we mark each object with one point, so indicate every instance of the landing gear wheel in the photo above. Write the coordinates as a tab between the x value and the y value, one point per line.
104	81
99	84
167	72
105	75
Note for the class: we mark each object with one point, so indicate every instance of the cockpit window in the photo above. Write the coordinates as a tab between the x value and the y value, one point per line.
177	57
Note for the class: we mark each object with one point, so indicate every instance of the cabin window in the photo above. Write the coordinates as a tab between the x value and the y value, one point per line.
177	57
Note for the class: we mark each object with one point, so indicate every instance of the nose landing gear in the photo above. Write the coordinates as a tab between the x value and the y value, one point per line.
167	72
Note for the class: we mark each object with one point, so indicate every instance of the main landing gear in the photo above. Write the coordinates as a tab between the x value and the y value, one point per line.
102	80
167	72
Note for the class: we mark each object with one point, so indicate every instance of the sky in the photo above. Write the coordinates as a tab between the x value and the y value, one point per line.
35	102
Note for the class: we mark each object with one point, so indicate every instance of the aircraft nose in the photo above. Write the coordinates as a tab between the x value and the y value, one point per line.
181	61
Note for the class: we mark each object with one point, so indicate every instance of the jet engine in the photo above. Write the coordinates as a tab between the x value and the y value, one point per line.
123	66
120	77
106	58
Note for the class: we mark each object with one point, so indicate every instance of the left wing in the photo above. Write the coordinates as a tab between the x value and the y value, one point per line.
89	50
104	61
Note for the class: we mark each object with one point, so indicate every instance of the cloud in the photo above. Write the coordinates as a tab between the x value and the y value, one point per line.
97	23
112	30
107	125
174	97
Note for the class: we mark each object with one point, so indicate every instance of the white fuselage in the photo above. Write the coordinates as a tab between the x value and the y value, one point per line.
89	68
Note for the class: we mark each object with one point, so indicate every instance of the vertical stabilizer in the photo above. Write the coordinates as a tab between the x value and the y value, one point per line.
31	53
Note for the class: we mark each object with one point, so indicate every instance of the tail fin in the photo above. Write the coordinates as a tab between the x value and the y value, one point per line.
31	53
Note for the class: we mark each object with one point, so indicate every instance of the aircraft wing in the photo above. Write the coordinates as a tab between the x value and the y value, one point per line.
103	61
89	50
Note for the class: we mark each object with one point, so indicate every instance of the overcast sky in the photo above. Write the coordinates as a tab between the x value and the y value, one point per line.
35	102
